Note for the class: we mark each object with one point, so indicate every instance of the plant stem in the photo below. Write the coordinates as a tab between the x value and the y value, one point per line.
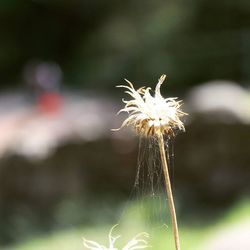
169	192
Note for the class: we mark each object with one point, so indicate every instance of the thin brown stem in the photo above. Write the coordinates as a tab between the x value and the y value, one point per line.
170	198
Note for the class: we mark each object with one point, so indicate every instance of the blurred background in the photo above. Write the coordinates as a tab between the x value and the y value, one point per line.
64	174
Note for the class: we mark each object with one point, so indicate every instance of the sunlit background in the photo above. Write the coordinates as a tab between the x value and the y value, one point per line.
64	175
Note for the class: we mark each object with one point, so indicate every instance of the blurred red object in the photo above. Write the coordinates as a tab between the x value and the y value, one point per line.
49	103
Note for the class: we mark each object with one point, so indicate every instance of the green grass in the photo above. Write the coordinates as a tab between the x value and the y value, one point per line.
192	237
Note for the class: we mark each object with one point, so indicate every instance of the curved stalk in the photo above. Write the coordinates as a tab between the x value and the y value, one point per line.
170	198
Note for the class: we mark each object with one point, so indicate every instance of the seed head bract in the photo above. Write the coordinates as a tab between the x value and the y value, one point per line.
151	114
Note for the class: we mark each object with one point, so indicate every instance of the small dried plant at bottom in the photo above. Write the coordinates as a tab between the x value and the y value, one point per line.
138	242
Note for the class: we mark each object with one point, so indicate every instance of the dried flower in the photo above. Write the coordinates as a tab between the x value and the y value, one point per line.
138	242
155	116
152	115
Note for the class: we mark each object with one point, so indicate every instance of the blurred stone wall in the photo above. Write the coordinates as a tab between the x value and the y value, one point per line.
211	164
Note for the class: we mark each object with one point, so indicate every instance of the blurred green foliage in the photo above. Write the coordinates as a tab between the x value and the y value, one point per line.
97	43
192	237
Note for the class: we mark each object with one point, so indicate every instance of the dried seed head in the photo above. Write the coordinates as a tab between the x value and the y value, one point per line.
140	241
152	115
